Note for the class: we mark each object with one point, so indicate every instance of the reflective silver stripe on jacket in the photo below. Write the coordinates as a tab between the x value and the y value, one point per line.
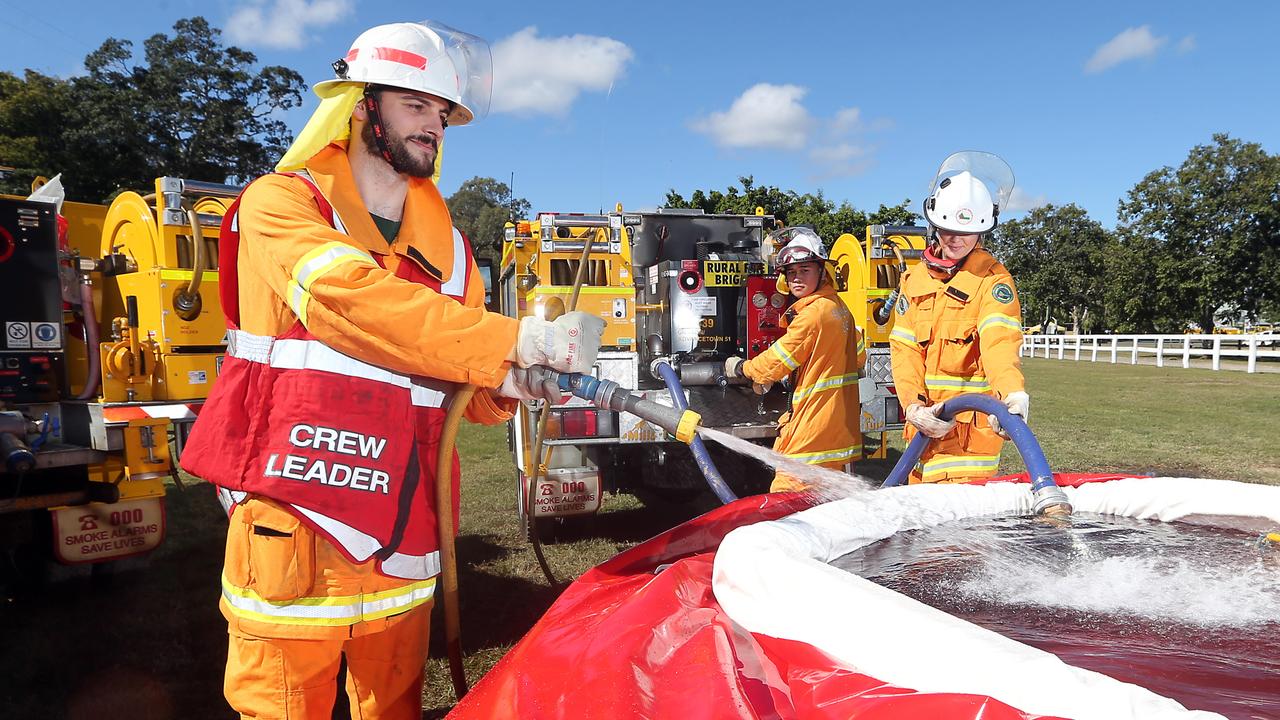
457	284
296	354
362	546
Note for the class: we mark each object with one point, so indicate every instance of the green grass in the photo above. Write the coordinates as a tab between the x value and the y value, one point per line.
1098	417
150	642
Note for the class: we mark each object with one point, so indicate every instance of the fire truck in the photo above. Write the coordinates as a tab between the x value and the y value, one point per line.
112	337
690	289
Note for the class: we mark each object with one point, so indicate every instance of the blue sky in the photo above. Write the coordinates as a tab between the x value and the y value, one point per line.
597	103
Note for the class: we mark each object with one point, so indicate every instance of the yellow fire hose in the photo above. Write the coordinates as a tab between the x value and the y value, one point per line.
444	507
445	529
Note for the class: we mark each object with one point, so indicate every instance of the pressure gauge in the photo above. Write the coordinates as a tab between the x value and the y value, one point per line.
778	301
759	300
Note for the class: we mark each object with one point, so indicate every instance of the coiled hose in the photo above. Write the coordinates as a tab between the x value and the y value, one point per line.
1049	498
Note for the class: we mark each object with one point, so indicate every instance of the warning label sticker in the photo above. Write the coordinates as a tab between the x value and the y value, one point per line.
97	532
17	335
724	273
46	335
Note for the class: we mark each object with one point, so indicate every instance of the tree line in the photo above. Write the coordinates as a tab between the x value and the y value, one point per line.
1195	243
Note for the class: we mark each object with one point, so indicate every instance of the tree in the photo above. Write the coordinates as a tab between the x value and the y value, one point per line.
827	218
29	107
1056	256
481	208
1210	230
192	108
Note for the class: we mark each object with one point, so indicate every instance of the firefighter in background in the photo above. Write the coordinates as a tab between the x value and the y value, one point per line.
821	352
355	311
959	325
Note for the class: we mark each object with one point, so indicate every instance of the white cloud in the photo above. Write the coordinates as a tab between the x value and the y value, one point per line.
1022	201
1186	44
765	116
840	160
544	75
846	120
1131	44
283	23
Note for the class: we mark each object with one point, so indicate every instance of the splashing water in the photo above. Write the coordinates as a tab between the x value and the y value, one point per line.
823	483
1188	611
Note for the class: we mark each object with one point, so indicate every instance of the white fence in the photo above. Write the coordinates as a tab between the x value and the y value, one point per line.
1165	348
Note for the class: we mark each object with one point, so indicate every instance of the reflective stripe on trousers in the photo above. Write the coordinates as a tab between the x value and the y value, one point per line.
334	610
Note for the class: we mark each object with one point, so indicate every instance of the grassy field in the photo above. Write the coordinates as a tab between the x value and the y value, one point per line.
147	641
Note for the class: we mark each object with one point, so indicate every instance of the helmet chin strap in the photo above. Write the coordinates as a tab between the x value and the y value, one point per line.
379	130
933	259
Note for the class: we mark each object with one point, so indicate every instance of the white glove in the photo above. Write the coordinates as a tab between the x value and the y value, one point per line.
1019	403
927	421
570	344
733	367
533	383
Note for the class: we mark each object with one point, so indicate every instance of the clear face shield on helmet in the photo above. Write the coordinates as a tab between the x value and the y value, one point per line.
987	167
473	64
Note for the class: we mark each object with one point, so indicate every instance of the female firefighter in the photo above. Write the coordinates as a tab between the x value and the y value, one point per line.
959	325
821	352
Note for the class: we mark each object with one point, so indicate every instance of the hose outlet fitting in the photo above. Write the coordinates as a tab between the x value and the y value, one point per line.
687	428
1050	500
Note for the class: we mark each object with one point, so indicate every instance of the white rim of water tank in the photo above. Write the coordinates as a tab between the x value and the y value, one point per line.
774	578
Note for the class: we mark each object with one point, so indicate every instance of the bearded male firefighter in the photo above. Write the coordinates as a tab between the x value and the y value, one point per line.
355	311
959	325
821	353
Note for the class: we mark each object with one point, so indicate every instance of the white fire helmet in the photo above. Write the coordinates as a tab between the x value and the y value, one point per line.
968	192
427	57
799	245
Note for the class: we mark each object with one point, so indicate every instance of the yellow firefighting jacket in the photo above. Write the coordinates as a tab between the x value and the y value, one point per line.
822	351
956	337
292	265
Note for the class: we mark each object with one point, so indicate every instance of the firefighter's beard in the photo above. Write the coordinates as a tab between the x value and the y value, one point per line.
404	159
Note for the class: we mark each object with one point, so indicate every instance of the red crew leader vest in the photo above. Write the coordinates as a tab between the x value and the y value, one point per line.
348	447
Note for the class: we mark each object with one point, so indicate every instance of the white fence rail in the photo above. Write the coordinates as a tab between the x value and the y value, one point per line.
1180	348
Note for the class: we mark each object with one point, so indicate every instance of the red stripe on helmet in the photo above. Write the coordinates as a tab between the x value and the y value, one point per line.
394	55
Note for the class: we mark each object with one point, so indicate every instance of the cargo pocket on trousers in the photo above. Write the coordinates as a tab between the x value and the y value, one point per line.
281	555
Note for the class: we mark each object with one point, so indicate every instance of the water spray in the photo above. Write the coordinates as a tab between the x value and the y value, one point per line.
1049	498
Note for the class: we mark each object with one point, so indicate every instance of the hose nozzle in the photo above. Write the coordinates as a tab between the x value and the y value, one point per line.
683	424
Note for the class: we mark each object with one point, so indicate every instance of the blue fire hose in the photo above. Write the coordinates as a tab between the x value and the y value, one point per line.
1046	491
700	454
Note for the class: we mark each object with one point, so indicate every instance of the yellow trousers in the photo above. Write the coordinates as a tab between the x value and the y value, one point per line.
287	667
782	482
291	679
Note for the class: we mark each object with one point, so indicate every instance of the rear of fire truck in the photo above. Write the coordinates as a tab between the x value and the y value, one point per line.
113	335
674	285
690	289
